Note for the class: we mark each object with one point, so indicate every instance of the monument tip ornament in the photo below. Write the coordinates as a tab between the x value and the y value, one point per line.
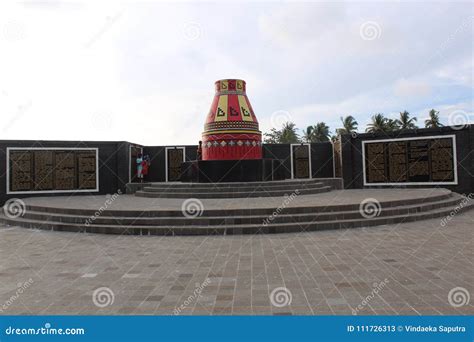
231	130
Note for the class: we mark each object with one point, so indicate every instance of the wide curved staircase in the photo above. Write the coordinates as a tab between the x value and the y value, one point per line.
333	210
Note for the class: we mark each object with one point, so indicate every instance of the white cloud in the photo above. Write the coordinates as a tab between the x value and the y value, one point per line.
406	88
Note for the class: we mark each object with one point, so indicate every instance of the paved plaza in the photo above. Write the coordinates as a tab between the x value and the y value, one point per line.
410	268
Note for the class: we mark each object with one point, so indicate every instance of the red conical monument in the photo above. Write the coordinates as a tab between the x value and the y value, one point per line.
231	129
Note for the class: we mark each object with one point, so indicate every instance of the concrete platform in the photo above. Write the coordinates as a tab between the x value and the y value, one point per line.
126	202
130	215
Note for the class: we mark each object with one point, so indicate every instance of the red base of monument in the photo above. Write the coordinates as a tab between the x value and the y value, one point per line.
232	147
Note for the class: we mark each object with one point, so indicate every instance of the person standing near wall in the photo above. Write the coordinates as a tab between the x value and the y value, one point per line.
145	165
140	167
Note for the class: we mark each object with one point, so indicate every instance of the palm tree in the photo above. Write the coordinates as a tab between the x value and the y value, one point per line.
349	125
308	134
405	122
391	125
286	135
433	121
321	132
289	134
378	124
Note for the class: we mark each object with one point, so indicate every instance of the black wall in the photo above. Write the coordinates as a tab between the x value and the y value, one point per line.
156	172
113	165
279	151
321	158
322	163
114	162
352	171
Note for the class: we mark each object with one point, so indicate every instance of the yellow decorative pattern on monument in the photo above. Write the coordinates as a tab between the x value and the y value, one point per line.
224	85
239	85
221	111
246	116
231	124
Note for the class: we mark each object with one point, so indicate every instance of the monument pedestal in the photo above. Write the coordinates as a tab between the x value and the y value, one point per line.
217	171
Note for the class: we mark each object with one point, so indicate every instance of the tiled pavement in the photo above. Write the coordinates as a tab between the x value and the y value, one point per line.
412	266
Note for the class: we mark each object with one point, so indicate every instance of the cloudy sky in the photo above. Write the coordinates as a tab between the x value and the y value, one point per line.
144	72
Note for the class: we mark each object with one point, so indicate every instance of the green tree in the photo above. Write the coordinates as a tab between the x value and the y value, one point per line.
308	134
378	124
405	122
286	135
433	120
391	125
349	125
273	137
289	134
321	132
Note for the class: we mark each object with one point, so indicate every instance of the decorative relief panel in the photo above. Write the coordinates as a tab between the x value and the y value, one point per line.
427	160
175	158
301	161
48	169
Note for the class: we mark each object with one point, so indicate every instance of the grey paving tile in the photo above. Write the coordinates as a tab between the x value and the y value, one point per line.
325	272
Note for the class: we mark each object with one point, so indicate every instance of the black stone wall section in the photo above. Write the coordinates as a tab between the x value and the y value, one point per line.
322	160
157	156
322	165
281	152
217	171
352	165
113	164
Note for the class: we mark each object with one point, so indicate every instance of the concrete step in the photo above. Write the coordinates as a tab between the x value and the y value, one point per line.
336	183
227	212
281	217
269	228
263	188
243	194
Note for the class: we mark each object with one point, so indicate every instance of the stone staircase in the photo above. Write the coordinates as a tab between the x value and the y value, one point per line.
235	190
244	220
